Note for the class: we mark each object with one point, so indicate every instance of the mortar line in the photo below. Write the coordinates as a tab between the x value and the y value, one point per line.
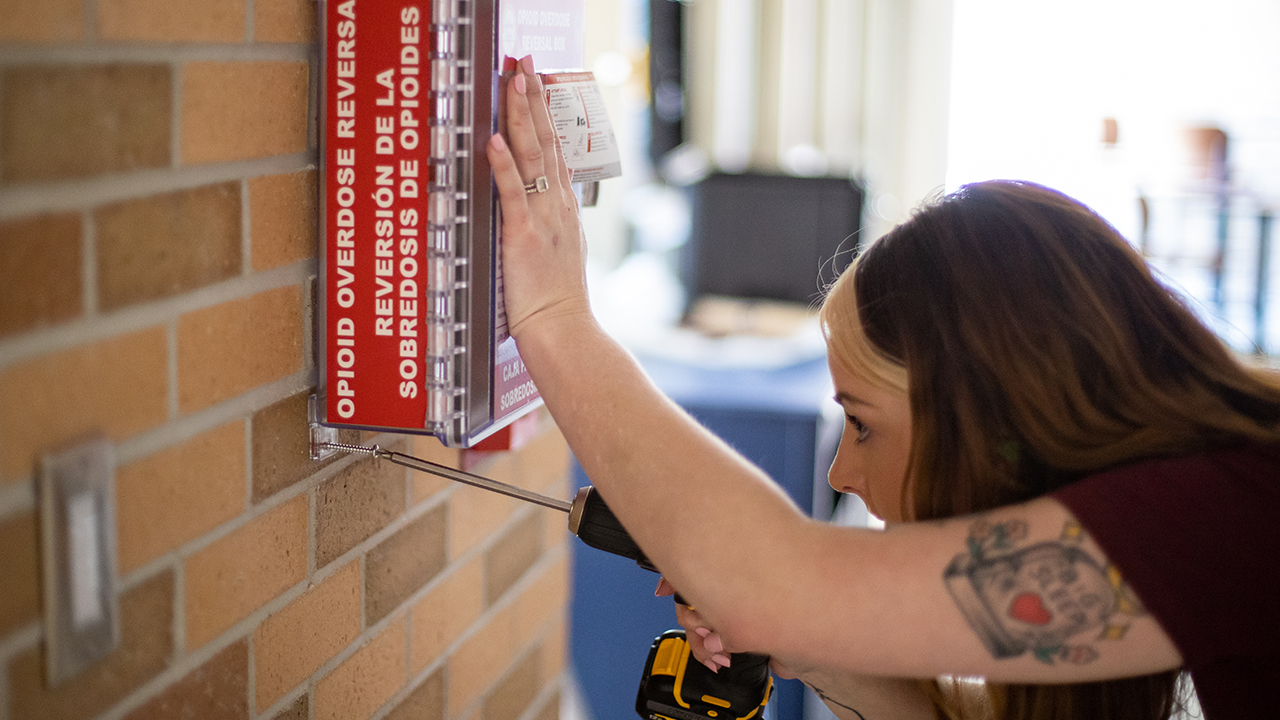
2	178
251	686
176	76
171	347
18	498
285	701
36	198
312	512
149	314
14	643
246	229
550	688
91	22
179	609
248	461
117	52
18	641
89	263
4	695
309	319
249	29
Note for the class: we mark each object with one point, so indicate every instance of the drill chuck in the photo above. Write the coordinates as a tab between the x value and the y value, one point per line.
596	525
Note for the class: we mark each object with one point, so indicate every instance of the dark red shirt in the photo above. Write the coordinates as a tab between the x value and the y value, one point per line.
1198	540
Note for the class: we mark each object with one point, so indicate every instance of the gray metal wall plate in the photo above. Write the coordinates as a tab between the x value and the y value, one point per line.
78	539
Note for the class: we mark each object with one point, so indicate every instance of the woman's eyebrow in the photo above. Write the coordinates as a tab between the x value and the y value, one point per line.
844	397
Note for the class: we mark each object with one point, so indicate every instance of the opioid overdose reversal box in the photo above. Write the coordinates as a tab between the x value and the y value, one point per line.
412	336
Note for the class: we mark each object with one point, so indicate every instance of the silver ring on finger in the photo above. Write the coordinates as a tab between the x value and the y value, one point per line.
539	185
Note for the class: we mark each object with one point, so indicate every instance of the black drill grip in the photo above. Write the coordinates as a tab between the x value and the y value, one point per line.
596	525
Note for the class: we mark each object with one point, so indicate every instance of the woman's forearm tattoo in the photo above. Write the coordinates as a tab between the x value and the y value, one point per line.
1050	598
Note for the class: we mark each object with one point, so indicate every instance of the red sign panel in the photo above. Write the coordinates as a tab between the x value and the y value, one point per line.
377	177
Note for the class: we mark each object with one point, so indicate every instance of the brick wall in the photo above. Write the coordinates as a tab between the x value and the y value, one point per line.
157	262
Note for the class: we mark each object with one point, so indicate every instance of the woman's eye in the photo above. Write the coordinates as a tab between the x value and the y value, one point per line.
861	429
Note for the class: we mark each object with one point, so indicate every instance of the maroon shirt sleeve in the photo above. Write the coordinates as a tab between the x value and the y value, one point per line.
1198	540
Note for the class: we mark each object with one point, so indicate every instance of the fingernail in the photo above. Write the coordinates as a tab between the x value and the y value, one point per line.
713	644
509	64
702	631
526	62
712	666
519	81
498	142
721	660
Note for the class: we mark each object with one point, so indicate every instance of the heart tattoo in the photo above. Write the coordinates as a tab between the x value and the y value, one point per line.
1036	598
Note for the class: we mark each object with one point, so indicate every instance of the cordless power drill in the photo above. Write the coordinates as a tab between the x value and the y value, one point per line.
674	686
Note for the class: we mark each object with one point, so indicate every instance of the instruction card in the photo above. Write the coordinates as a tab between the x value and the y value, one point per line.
586	135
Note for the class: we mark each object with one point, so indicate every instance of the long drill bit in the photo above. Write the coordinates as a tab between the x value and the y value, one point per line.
449	473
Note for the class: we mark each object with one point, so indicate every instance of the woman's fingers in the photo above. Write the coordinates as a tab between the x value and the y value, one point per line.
540	114
704	643
515	207
526	145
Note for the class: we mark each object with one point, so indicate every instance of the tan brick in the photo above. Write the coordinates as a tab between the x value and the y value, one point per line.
429	448
234	347
289	21
425	702
554	651
24	21
475	514
508	559
40	272
443	614
169	244
282	211
241	110
516	691
299	710
115	386
478	663
282	446
550	708
146	648
543	601
172	20
236	575
20	568
68	122
294	642
354	504
544	460
366	680
555	525
217	690
400	565
179	494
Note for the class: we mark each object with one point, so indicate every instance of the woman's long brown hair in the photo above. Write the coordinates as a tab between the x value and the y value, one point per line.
1036	347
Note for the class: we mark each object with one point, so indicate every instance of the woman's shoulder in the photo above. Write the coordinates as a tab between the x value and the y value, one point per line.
1236	479
1234	457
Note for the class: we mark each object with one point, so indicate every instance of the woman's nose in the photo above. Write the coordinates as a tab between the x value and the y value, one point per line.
845	475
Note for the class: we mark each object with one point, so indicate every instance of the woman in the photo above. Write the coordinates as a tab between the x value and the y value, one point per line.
1003	351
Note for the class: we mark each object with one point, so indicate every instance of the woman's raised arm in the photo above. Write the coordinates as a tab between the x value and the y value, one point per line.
971	596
